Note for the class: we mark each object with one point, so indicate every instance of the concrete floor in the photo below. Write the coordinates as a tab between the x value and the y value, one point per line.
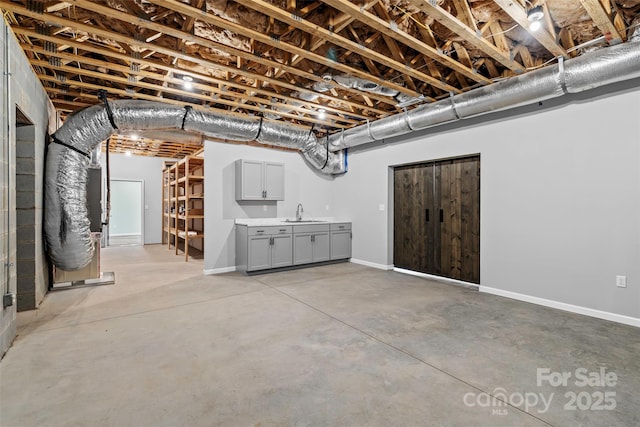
338	345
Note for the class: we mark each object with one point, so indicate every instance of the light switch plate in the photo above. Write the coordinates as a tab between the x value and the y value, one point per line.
381	208
621	281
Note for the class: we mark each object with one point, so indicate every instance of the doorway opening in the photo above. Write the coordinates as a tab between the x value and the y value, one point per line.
126	222
31	275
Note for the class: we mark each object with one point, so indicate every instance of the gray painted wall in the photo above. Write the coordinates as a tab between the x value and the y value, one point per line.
302	185
27	93
560	196
149	171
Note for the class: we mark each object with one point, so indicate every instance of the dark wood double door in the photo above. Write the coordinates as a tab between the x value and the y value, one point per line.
437	218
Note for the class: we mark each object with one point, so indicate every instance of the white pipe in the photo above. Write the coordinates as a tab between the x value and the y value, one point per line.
9	154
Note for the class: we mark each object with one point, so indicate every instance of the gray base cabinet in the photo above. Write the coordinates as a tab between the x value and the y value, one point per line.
341	240
264	248
311	243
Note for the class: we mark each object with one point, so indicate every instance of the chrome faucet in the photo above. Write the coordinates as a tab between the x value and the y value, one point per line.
299	212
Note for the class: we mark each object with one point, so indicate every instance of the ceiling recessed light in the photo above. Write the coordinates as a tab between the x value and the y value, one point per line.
535	25
187	82
321	113
127	153
535	14
134	137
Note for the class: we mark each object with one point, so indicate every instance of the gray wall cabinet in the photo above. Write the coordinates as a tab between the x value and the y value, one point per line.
256	180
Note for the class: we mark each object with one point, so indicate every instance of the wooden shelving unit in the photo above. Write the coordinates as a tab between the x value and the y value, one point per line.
183	203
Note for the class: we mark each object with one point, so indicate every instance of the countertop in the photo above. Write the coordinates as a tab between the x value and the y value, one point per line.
265	222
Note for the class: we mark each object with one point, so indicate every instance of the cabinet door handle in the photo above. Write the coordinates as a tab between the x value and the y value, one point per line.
271	241
313	238
441	215
426	215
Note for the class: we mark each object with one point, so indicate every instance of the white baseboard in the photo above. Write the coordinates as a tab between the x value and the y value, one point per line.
372	264
627	320
437	278
219	270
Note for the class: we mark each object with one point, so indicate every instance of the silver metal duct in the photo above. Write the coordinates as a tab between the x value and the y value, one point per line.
67	227
599	68
66	218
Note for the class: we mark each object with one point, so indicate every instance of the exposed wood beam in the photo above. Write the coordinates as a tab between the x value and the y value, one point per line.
262	103
499	39
469	35
602	20
127	95
525	55
519	15
407	39
309	27
173	53
393	46
464	14
157	76
55	6
567	41
174	33
268	40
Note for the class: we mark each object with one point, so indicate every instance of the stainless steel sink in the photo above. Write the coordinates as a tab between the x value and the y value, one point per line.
303	221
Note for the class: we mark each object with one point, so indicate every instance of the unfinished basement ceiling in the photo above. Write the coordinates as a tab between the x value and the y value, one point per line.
292	60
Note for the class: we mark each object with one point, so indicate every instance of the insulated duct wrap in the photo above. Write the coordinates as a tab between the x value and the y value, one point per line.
218	125
67	228
67	225
591	70
613	64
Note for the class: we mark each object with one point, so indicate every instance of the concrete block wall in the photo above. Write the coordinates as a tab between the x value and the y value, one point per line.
7	229
21	90
28	204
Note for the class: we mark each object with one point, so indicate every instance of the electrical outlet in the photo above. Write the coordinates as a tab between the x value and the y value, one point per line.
381	208
326	207
264	208
621	281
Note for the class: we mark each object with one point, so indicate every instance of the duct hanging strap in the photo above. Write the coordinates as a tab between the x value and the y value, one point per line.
70	147
563	82
187	108
307	147
102	96
259	128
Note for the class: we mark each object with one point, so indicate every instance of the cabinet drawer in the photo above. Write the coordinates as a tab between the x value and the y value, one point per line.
341	226
271	230
311	228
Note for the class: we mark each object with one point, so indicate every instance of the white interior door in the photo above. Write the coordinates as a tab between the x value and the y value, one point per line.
126	222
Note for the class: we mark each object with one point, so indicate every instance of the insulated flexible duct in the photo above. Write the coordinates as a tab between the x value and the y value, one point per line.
591	70
67	228
66	218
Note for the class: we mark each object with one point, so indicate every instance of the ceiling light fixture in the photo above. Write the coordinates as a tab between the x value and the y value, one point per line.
127	153
187	82
321	114
534	16
134	137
